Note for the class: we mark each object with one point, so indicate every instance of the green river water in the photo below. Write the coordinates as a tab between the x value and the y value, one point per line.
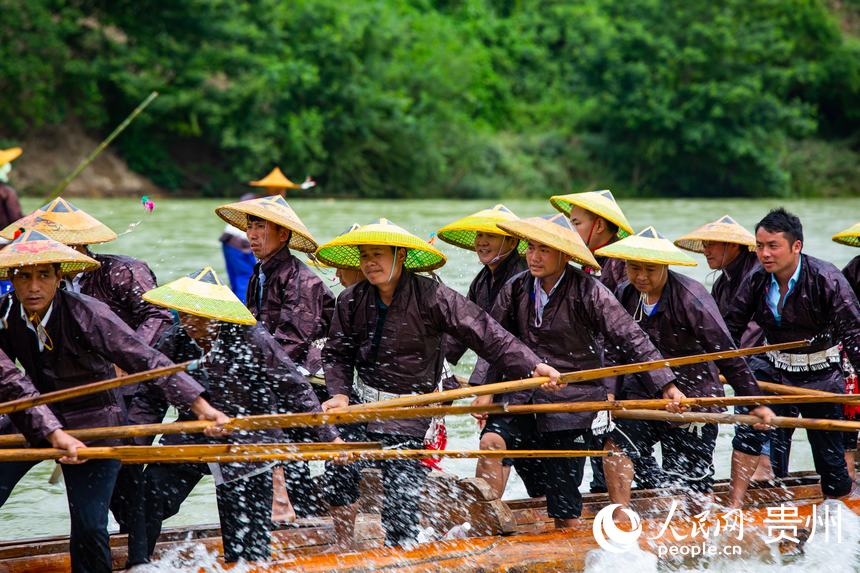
181	235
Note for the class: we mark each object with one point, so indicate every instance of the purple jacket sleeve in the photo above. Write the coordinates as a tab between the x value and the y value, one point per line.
742	309
35	423
844	314
305	303
152	320
339	352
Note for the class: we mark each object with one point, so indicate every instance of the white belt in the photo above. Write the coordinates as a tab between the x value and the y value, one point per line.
805	362
366	393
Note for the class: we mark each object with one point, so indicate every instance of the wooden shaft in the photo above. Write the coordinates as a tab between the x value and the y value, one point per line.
568	378
91	388
747	420
786	390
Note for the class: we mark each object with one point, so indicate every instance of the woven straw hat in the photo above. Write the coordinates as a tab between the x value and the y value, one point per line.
275	209
723	230
647	246
9	155
461	233
553	231
850	236
601	203
314	260
275	180
202	294
63	222
342	251
34	248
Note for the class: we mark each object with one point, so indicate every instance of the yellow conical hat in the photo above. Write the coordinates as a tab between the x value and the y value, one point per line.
314	260
553	231
275	209
461	233
9	155
647	246
34	248
202	294
850	236
275	180
601	203
61	221
723	230
342	251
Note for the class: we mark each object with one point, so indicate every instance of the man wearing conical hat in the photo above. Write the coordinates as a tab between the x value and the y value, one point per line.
567	318
499	253
64	339
599	220
682	319
290	301
389	330
851	237
10	207
245	372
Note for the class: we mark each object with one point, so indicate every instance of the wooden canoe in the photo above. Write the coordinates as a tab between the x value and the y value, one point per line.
509	535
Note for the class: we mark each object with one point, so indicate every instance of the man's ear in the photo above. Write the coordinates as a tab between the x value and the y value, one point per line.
797	246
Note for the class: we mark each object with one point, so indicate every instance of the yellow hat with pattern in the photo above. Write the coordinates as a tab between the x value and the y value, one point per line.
202	294
33	248
275	209
61	221
601	203
850	236
723	230
554	231
461	233
647	246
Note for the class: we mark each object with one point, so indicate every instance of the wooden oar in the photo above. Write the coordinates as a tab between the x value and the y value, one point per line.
275	421
265	452
747	420
91	388
785	390
568	378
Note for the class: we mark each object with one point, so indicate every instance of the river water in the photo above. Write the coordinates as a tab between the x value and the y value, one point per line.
181	236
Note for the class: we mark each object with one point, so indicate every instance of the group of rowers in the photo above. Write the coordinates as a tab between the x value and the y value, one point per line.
571	291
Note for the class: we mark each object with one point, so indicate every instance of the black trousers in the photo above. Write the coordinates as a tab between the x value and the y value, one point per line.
127	506
88	489
564	475
244	507
402	484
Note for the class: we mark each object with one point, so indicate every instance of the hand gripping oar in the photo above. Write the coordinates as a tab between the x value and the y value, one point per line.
747	420
570	377
92	388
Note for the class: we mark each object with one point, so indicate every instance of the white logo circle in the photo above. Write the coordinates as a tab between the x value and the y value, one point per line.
607	534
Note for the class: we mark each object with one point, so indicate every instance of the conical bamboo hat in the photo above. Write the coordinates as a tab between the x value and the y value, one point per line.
342	251
33	248
9	155
723	230
202	294
553	231
275	209
63	222
461	233
601	203
647	246
275	180
850	236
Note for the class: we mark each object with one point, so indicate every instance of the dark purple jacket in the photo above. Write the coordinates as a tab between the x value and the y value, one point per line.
581	314
483	291
821	308
726	286
852	273
613	272
34	423
407	356
88	339
686	322
295	306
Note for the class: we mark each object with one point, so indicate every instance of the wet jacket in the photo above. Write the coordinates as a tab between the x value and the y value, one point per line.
10	206
483	291
685	322
852	273
293	304
406	357
34	423
613	272
726	286
821	308
580	315
88	339
245	373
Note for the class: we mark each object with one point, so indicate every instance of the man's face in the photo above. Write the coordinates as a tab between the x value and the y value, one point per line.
198	327
584	222
720	254
774	250
376	263
266	238
544	261
488	246
348	277
35	287
647	277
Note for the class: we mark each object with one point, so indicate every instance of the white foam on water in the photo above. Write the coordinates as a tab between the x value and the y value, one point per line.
602	561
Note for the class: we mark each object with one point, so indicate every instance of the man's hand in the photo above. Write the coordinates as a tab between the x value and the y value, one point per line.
204	411
671	392
482	401
551	373
336	401
766	415
62	441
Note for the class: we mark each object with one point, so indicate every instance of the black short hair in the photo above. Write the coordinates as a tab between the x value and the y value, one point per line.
613	228
781	221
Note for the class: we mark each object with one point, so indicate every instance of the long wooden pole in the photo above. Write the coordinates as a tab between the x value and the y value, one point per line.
786	390
747	420
568	378
91	388
264	453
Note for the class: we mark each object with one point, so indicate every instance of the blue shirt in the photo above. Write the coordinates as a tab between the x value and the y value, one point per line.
773	291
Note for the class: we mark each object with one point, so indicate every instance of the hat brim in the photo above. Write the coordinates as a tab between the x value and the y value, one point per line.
564	204
67	266
236	214
629	250
200	299
849	237
543	234
342	252
464	237
10	155
72	228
